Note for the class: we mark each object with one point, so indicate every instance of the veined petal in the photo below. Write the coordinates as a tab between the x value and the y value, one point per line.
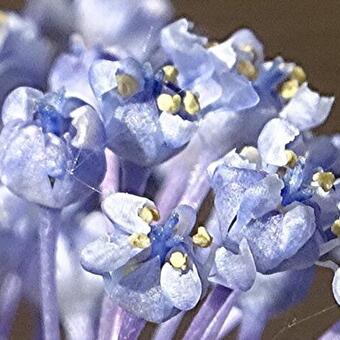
123	209
182	289
90	130
177	131
20	104
108	253
272	141
235	271
307	109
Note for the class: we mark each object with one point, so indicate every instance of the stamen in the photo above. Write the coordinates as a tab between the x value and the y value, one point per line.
249	49
202	238
126	85
178	260
251	153
289	88
325	180
292	158
247	68
170	73
335	228
139	240
149	214
168	103
191	103
3	17
298	74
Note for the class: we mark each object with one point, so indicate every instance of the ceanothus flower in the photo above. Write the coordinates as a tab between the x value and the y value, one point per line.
149	269
24	55
147	118
51	148
270	218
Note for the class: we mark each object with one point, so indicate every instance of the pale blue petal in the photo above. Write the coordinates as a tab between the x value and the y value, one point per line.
182	289
90	130
186	219
123	210
272	141
176	131
307	109
20	104
235	271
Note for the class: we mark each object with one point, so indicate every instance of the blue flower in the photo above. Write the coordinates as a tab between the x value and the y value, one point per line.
24	55
51	148
269	221
149	269
147	119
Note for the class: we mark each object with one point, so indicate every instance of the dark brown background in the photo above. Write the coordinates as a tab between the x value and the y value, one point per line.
305	31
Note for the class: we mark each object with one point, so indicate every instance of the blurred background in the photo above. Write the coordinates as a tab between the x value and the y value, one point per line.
304	31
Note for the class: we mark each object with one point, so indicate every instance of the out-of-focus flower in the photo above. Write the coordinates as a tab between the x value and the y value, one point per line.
51	148
24	55
149	269
132	25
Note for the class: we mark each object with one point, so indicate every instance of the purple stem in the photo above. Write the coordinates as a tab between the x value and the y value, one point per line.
206	313
108	314
217	322
111	179
79	326
333	333
233	320
130	327
10	295
48	231
134	178
168	329
252	326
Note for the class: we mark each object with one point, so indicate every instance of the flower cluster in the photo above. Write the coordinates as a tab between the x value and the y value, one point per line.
108	151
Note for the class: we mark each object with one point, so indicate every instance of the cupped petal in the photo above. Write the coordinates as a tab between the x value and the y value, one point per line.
336	286
224	52
108	253
21	104
103	74
123	209
183	289
307	109
235	271
187	51
259	199
272	141
238	93
176	131
186	219
276	237
90	129
137	290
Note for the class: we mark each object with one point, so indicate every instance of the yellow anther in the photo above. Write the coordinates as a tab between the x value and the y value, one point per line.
202	238
168	103
292	158
149	214
139	240
250	153
179	260
289	88
247	68
325	180
170	73
336	227
211	43
126	85
3	17
191	103
249	49
298	74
